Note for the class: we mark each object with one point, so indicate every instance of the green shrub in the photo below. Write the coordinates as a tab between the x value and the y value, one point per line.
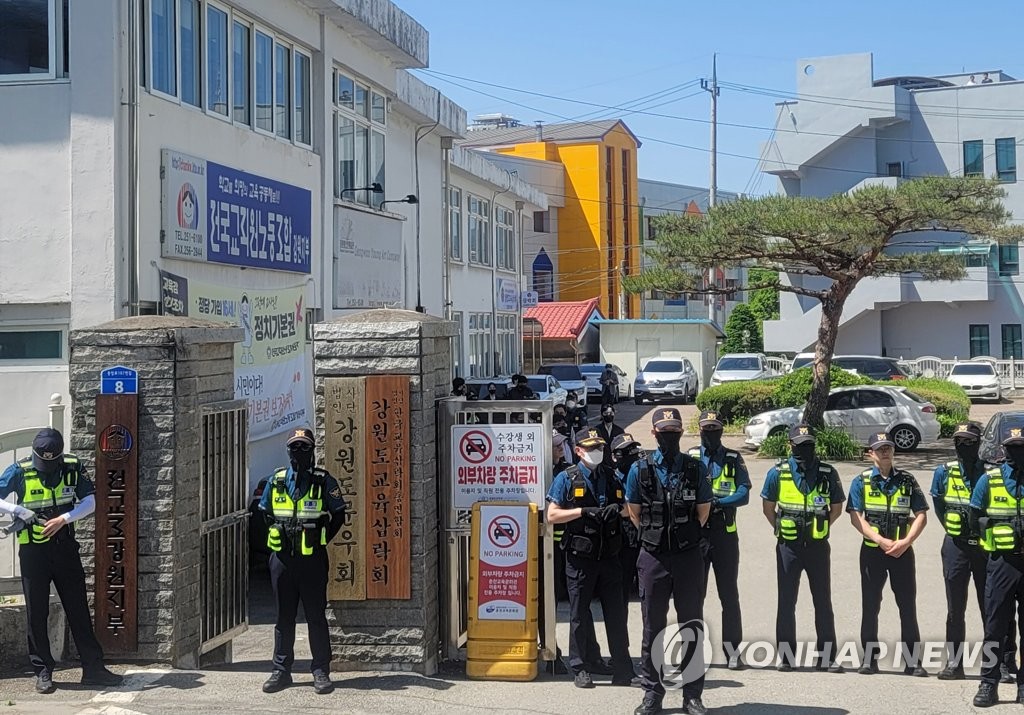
947	425
949	399
793	389
736	401
832	445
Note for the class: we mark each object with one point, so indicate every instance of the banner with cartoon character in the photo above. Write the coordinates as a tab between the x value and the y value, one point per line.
218	214
270	362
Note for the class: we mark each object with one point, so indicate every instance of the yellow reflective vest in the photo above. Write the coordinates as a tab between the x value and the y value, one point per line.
1003	525
888	514
724	485
47	502
303	521
803	515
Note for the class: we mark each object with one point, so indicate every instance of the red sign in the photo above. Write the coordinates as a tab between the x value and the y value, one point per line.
502	583
475	447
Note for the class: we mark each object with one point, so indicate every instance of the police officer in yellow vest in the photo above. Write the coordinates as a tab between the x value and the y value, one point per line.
52	491
889	510
963	558
997	507
802	497
304	509
730	487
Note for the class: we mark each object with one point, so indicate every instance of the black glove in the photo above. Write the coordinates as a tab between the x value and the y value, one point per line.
592	512
611	513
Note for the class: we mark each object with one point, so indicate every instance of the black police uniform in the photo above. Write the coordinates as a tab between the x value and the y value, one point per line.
630	534
667	491
591	544
608	432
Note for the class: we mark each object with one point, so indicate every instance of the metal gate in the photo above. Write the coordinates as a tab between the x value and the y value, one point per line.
223	509
454	586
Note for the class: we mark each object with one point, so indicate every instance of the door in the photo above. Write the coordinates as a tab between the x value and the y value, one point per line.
839	411
876	410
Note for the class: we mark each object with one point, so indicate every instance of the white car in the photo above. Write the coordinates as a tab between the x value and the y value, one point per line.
979	380
569	377
741	366
861	412
666	379
547	388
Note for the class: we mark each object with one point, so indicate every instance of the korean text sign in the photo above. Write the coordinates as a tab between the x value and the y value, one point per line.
497	462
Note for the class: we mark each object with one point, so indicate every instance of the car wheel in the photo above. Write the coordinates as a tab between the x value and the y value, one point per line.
638	400
906	438
777	430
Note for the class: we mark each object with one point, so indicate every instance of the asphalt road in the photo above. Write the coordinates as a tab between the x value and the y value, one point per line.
236	688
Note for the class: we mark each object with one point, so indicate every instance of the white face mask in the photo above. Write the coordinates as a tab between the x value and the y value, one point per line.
593	457
570	404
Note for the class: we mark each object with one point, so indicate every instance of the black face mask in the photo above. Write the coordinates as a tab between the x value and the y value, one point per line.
608	419
967	452
668	442
804	452
623	461
711	439
1015	455
301	460
563	429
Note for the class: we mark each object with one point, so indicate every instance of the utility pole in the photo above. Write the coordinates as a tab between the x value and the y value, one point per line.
712	87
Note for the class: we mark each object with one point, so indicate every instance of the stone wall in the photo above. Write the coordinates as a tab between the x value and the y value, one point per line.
183	363
394	634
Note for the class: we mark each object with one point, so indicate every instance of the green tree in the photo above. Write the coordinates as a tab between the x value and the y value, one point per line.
827	246
743	331
764	302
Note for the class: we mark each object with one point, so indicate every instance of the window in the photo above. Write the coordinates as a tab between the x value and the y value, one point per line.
240	72
542	222
874	398
303	110
264	81
33	34
360	117
31	344
543	277
1012	342
974	159
609	188
505	238
979	340
1006	159
164	44
974	259
216	60
894	168
455	223
840	401
1009	260
457	345
481	347
282	89
507	358
479	212
191	51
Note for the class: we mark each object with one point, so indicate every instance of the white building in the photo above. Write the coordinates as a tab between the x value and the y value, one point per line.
849	129
490	211
183	153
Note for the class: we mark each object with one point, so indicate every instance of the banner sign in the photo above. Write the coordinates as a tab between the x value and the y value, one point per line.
507	294
270	362
368	270
345	457
217	214
497	462
502	579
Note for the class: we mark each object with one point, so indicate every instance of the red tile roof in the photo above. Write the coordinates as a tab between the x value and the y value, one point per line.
563	321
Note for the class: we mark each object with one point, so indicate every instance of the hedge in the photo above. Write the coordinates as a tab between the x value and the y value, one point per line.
832	444
951	402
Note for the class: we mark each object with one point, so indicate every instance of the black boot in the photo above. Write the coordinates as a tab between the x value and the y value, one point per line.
278	680
986	696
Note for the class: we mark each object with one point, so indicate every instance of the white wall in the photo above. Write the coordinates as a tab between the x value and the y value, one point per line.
695	342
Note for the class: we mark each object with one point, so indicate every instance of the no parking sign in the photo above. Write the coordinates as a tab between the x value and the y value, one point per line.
497	462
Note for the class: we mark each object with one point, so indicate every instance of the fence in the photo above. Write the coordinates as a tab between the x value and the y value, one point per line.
14	446
1010	372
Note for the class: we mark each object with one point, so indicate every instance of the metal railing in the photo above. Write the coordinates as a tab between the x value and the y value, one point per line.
223	511
779	365
14	446
1010	372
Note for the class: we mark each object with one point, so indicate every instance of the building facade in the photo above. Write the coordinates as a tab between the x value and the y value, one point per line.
238	161
848	130
598	225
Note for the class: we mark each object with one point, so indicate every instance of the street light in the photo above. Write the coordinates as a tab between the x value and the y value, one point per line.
374	188
409	199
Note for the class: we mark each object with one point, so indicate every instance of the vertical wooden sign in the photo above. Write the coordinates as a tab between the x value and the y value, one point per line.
117	528
387	440
344	445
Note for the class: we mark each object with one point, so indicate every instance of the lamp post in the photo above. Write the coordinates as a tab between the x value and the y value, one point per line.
409	199
373	188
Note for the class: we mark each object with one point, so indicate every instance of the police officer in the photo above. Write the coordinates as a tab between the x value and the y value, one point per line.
997	508
609	386
889	510
577	415
625	452
963	558
608	431
588	500
802	497
730	488
669	498
53	490
304	510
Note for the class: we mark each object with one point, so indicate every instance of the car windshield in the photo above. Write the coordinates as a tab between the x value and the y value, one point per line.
564	373
739	363
802	362
591	369
977	369
537	384
664	366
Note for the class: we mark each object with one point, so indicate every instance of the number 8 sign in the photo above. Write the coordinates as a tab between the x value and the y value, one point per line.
119	380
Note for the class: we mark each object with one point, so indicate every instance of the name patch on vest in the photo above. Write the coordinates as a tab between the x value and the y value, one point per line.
67	491
310	504
38	491
688	494
902	501
1002	500
819	501
725	484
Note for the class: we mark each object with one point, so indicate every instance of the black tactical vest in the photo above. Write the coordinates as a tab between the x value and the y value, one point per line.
588	537
668	517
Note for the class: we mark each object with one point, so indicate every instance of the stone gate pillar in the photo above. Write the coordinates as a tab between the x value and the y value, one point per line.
182	364
362	364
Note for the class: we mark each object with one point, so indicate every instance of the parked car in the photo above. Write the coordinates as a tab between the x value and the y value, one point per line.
546	387
592	372
991	450
860	412
741	366
477	386
877	368
801	360
979	380
666	379
569	377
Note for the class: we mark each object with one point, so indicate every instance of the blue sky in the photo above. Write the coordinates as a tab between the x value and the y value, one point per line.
601	52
